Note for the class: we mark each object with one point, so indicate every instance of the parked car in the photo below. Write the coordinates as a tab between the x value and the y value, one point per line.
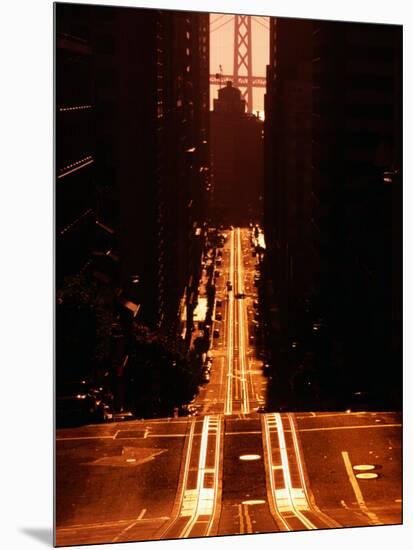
216	333
218	316
205	377
229	285
79	402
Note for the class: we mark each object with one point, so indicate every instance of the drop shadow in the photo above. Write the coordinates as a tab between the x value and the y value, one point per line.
42	534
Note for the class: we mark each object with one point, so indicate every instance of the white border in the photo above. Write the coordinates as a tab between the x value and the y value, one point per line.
26	275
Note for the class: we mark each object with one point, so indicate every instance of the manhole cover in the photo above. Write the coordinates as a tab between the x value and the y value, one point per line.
250	457
364	467
367	475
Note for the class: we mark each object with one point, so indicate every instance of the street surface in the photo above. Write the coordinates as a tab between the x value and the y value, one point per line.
229	469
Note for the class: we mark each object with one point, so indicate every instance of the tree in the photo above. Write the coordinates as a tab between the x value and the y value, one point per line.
159	377
84	318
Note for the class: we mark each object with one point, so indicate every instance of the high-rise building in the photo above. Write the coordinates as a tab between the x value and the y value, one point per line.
237	159
137	155
332	200
356	188
287	190
75	142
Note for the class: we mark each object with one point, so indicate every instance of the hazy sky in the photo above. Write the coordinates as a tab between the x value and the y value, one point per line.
222	51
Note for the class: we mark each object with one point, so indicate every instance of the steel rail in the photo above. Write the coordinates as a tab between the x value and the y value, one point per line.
172	522
330	522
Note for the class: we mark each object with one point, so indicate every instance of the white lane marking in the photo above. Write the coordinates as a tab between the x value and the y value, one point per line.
80	438
357	491
107	524
361	427
247	518
322	415
139	518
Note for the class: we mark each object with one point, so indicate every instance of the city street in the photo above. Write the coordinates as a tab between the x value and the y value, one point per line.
229	469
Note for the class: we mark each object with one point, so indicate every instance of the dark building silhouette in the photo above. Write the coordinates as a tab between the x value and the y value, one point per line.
75	144
237	159
333	202
154	139
132	158
287	196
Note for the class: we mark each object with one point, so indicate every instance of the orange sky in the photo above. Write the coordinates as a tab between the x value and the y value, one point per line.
222	48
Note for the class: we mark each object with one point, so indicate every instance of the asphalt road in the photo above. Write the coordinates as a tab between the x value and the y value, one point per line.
228	470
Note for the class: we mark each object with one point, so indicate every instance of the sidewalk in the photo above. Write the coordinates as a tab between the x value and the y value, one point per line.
203	295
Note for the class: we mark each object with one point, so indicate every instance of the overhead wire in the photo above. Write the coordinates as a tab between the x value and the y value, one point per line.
261	23
213	21
222	25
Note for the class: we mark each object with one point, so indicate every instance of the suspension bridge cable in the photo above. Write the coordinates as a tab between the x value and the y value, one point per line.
260	23
217	19
222	25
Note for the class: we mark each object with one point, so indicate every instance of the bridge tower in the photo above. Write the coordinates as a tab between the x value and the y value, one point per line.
243	58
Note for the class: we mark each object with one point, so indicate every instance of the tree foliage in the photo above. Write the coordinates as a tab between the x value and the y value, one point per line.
84	317
159	377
